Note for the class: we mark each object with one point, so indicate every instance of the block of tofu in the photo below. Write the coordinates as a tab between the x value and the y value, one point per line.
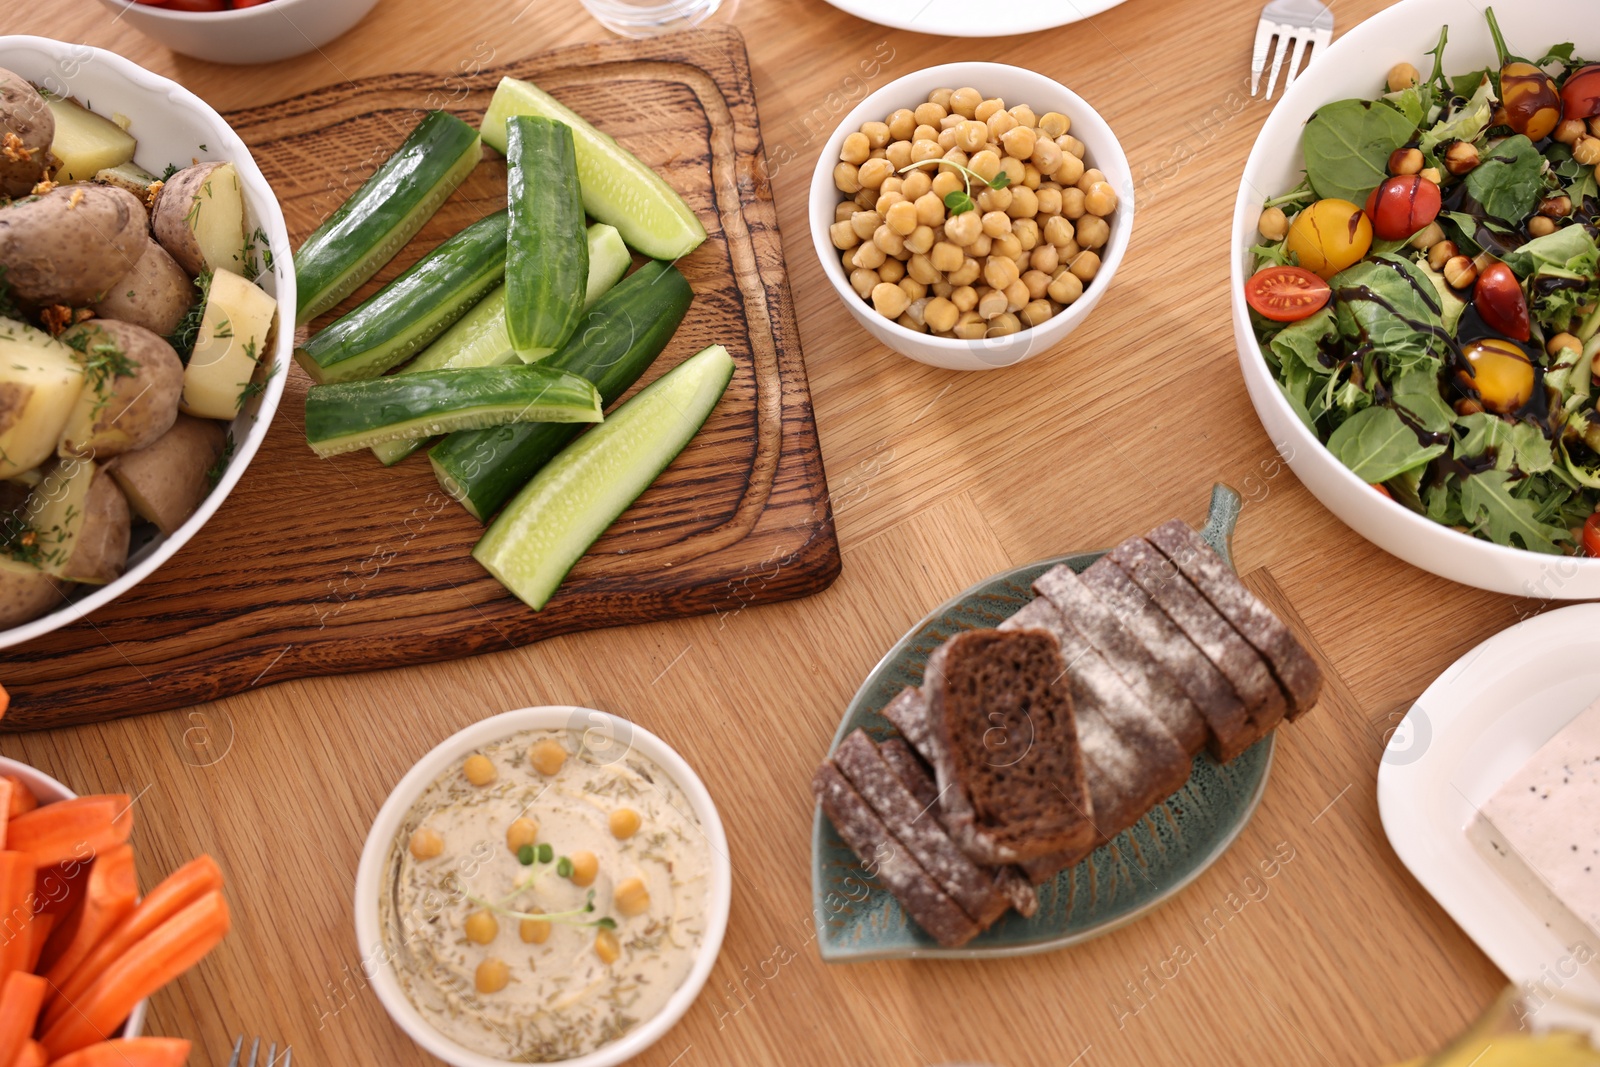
1539	830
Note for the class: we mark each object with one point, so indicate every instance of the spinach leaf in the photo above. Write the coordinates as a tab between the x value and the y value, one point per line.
1465	85
1519	445
1347	146
1418	393
1388	303
1451	306
1489	505
1376	445
1303	341
1509	180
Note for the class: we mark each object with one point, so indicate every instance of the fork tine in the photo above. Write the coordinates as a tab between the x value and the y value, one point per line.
272	1054
238	1045
1258	57
1301	47
1285	39
255	1046
288	1056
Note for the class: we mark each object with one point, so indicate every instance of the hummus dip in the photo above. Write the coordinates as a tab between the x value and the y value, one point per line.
460	904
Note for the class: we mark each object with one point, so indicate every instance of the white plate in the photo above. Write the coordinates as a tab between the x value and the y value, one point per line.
1470	731
961	18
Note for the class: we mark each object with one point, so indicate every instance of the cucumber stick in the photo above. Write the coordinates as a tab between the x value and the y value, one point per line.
386	212
346	416
547	252
617	187
396	322
532	545
479	338
619	339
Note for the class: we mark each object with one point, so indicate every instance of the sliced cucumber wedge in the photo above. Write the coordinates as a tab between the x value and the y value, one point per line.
349	415
570	503
547	254
386	212
617	187
398	320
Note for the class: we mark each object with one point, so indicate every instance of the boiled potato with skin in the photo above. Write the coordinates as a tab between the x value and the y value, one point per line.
234	329
84	142
130	176
155	294
27	126
25	593
166	481
40	382
100	551
130	396
71	245
198	216
80	522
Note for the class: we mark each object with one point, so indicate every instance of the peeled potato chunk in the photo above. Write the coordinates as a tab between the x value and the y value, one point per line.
39	385
234	329
84	142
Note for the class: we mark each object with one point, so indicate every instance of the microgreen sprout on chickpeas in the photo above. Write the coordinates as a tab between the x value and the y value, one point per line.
963	218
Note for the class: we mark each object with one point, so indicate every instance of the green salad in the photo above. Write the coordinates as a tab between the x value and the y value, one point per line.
1428	298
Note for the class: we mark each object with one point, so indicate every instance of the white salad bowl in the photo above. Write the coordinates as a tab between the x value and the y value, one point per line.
449	753
1015	85
266	32
49	791
173	126
1355	67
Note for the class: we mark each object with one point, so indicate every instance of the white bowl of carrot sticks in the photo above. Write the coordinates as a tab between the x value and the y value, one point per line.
80	950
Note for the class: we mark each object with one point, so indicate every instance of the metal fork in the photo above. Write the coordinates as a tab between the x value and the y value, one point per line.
255	1046
1307	25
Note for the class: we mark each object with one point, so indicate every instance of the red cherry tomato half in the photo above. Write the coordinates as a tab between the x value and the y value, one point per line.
1286	294
1402	205
1383	490
1580	97
1499	300
1591	535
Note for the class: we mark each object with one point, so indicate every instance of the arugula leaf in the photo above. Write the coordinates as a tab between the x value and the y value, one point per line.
1274	255
1390	304
1489	505
1377	445
1418	393
1441	502
1509	180
1561	53
1519	445
1347	146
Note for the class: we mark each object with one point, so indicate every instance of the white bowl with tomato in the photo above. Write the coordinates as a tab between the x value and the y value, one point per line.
242	31
1419	343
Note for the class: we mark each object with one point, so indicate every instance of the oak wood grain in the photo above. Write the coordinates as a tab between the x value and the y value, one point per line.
938	480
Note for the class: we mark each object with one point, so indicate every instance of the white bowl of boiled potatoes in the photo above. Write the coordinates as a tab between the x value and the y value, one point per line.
971	215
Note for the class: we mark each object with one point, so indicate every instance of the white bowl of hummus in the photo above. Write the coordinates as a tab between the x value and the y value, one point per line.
550	885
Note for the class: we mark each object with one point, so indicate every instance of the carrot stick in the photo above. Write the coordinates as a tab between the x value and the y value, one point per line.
22	799
178	944
129	1052
5	703
180	889
108	897
72	829
43	923
32	1055
21	997
6	786
16	912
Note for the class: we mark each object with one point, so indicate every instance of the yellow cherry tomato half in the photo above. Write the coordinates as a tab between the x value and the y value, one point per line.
1329	236
1501	374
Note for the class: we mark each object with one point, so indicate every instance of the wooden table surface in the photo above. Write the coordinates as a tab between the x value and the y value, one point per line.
938	479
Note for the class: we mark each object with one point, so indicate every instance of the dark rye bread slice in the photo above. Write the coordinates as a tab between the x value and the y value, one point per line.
1135	763
967	884
1211	633
917	777
1010	771
1225	714
884	857
1154	687
1296	672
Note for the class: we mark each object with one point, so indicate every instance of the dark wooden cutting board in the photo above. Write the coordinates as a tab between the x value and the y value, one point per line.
333	566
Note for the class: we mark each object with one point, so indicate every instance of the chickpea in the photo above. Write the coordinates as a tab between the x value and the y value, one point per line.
847	178
534	931
1024	203
1100	199
1461	157
893	270
965	101
877	133
631	897
940	315
995	199
1085	265
991	302
902	124
922	237
1000	271
967	274
1432	174
941	97
843	236
945	183
980	247
1594	126
901	218
1045	259
1402	76
863	281
547	756
888	299
856	149
964	297
1273	223
843	210
988	108
918	183
924	132
1069	172
956	156
1016	295
946	257
426	843
866	199
1054	124
491	976
1568	131
1405	161
1460	272
995	223
1088	178
925	149
1556	207
946	139
1004	324
898	153
1015	169
1000	124
1007	247
1019	142
930	210
871	256
607	947
1026	232
1047	156
913	289
1586	150
874	173
930	114
1037	283
913	317
1024	115
1072	146
1561	341
891	243
943	289
522	831
911	324
1540	226
1441	253
1049	195
985	164
1428	236
1092	232
920	268
1031	178
961	230
1467	406
481	927
1065	288
884	202
1035	312
1072	203
1058	231
585	865
971	136
971	326
479	770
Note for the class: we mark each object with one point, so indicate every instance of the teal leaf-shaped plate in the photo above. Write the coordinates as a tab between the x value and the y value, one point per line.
1130	875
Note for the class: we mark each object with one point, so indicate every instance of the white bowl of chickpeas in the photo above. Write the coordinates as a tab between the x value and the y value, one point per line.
971	215
547	885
